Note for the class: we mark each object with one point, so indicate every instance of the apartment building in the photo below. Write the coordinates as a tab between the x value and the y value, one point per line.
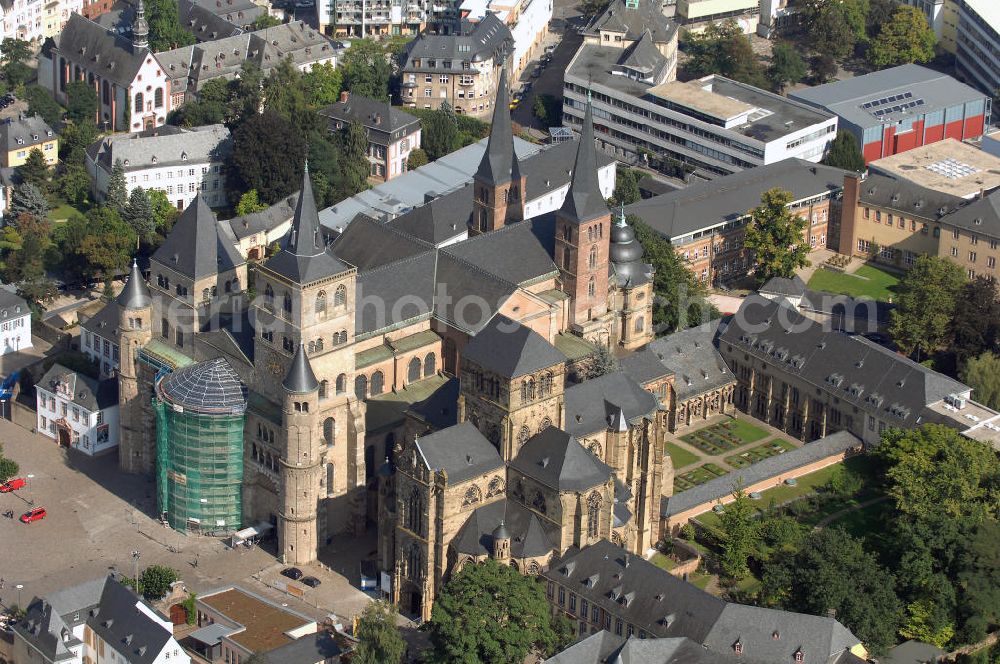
977	51
34	20
706	222
527	20
372	18
462	68
15	328
898	109
21	135
646	39
179	162
392	133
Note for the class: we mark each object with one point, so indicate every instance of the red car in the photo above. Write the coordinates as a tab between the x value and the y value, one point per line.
36	514
13	485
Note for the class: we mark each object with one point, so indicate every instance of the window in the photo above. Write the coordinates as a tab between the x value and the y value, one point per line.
562	597
138	103
321	302
991	262
591	288
158	98
594	514
592	260
341	383
340	296
377	384
954	251
972	257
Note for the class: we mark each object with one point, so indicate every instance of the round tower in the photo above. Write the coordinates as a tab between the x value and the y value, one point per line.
501	544
631	286
301	463
137	446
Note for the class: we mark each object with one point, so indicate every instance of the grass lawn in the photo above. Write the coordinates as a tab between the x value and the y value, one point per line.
867	281
62	212
680	456
699	580
748	432
724	436
754	454
662	561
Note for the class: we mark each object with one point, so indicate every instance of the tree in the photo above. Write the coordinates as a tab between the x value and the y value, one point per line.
907	38
592	8
352	171
775	237
925	305
824	67
379	639
919	625
879	13
844	153
14	50
284	95
74	141
107	245
548	109
28	199
165	29
322	84
41	102
982	374
164	212
81	102
489	613
138	214
155	580
367	70
268	155
215	104
741	534
787	66
117	196
601	362
416	159
835	26
722	48
265	21
439	135
980	581
27	261
626	186
8	468
976	323
832	571
74	185
35	169
249	203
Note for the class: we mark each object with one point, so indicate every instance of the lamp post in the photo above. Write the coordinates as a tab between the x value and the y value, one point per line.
135	563
19	587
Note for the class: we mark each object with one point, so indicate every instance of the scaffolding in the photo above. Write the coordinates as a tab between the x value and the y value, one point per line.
200	418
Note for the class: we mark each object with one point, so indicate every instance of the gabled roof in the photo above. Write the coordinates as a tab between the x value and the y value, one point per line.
633	21
981	215
483	42
527	535
584	200
557	460
121	623
793	287
102	51
379	116
884	191
596	404
693	359
195	248
643	57
300	378
31	131
163	146
460	451
511	349
643	366
500	165
519	253
404	291
368	244
304	258
606	648
135	295
440	220
88	393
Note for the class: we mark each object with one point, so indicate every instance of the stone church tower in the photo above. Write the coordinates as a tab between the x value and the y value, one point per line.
135	329
631	295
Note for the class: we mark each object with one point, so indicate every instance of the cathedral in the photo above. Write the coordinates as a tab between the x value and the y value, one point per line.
274	364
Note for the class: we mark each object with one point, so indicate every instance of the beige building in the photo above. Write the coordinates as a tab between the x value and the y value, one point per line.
696	15
21	135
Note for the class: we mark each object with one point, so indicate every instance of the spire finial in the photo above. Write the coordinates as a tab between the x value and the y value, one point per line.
621	214
306	168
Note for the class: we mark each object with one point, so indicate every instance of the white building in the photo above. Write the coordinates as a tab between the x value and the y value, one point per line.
77	411
179	162
97	621
15	323
528	21
977	53
34	20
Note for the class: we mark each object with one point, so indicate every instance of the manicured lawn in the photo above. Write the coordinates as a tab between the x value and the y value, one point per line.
754	454
680	456
699	580
662	561
724	436
699	475
867	280
748	432
62	212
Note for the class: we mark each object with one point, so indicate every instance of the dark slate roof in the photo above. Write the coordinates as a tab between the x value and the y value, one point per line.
119	622
395	293
552	167
912	652
527	536
210	387
596	404
195	247
441	219
88	393
265	220
368	244
727	199
887	192
647	15
643	366
370	113
461	451
439	410
31	131
644	58
866	375
557	460
860	309
500	164
300	378
606	648
511	349
304	257
135	295
12	305
467	296
982	215
584	200
692	357
307	649
486	39
793	287
519	253
44	629
626	266
720	487
102	51
656	598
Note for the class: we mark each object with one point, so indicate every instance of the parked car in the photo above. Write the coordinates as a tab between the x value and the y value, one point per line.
536	72
526	88
293	573
13	485
36	514
547	58
310	581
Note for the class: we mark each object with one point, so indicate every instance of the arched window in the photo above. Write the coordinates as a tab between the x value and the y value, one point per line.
414	566
205	293
105	93
414	511
330	431
413	370
228	287
341	383
546	423
533	569
158	98
324	389
568	233
640	324
321	302
340	296
595	449
495	487
311	347
268	294
286	303
472	496
592	261
319	344
378	383
361	386
590	234
538	502
594	514
567	258
430	365
138	102
545	385
527	390
591	287
523	435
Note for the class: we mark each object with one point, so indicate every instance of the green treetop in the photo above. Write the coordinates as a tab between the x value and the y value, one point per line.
906	38
775	237
379	639
925	305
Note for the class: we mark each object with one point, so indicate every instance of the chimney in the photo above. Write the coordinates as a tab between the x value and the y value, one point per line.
849	213
982	193
344	94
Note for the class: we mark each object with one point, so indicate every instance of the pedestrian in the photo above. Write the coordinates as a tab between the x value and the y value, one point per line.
1	583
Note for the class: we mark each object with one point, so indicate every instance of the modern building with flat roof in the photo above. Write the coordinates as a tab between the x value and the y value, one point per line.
898	109
948	166
977	51
715	125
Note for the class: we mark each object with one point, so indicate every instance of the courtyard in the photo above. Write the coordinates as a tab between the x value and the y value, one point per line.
865	281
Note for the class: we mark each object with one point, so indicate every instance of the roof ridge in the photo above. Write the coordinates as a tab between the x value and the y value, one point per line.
392	264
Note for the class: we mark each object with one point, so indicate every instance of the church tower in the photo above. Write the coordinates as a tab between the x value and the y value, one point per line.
631	288
583	230
499	186
140	29
135	453
301	463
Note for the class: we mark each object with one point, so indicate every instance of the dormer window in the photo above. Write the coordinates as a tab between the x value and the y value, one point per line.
799	655
738	647
153	159
125	163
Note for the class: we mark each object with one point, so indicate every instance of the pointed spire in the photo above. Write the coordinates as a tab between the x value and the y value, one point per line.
499	164
300	378
584	200
304	238
140	29
135	295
